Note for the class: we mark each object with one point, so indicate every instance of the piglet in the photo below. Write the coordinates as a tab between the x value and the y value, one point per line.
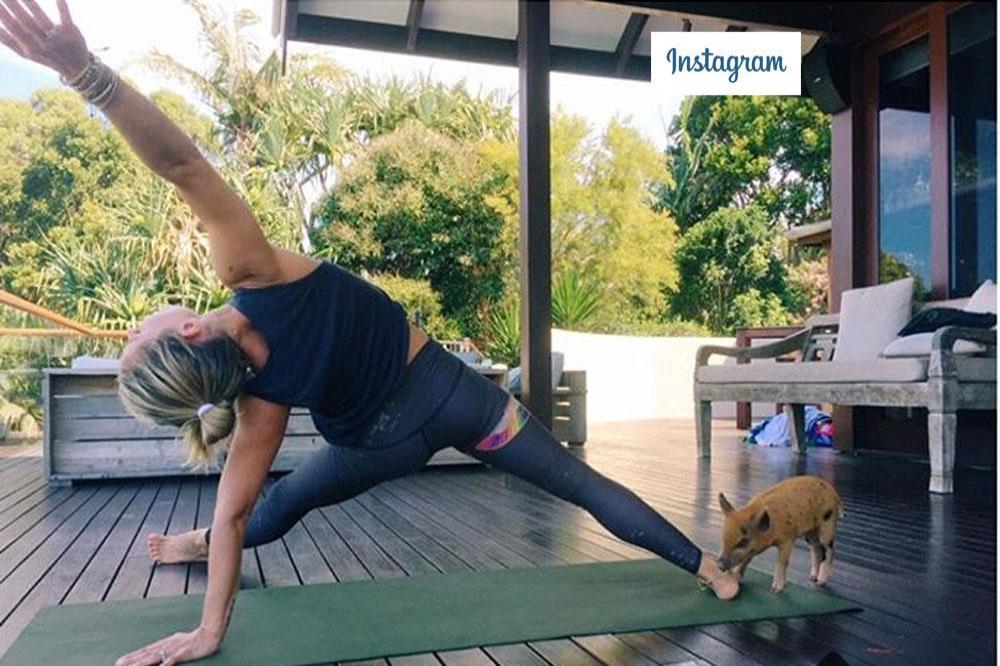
802	506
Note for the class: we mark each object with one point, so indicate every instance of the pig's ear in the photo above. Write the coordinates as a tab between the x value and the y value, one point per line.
764	522
724	504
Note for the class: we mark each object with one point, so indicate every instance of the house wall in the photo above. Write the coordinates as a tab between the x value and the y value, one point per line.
634	377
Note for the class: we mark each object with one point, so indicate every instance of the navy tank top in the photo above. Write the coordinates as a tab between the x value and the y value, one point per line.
337	345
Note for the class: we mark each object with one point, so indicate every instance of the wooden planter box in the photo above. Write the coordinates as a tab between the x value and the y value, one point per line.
89	435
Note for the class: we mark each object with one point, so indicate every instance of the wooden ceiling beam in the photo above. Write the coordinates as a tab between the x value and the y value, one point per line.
628	40
413	16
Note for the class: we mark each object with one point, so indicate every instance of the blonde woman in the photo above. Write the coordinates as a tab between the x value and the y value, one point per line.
299	332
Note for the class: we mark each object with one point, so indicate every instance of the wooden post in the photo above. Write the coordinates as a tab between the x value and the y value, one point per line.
535	191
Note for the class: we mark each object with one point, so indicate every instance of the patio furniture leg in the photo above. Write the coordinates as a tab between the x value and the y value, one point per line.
797	415
941	428
703	427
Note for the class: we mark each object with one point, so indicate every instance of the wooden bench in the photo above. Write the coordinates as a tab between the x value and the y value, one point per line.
943	383
89	435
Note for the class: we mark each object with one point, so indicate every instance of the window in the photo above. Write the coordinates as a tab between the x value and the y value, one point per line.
904	175
972	111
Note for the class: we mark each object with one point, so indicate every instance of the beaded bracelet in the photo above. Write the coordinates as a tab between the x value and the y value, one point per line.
76	80
97	83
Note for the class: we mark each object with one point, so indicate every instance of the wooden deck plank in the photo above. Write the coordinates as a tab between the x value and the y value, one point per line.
22	499
171	579
517	654
656	647
376	562
923	567
136	570
342	561
94	582
22	575
20	518
53	585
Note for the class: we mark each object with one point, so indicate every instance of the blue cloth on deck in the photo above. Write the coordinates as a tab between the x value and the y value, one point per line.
775	430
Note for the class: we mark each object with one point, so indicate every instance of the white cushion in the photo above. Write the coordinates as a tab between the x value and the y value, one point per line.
817	372
870	318
919	344
984	299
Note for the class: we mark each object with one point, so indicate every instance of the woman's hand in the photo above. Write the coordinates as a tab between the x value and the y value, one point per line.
176	649
28	32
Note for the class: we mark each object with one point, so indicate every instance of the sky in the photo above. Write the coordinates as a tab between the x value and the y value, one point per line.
121	31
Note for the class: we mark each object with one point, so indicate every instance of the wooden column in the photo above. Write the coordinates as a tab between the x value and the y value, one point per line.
851	242
940	154
535	192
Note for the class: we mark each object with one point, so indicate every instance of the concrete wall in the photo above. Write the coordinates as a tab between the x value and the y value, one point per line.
632	377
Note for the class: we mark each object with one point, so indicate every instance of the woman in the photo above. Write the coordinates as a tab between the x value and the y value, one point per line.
303	333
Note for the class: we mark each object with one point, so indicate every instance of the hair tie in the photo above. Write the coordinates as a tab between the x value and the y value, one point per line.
204	408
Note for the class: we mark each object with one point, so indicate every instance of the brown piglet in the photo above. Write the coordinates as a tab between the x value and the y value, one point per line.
802	506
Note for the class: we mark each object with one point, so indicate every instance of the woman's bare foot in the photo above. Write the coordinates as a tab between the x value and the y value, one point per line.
188	547
725	584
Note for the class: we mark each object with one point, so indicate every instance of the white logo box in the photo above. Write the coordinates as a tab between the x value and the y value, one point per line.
726	63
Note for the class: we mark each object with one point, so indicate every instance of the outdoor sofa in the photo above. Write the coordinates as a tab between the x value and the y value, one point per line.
855	358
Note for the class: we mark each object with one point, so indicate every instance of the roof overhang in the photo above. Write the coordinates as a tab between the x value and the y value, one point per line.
818	233
608	38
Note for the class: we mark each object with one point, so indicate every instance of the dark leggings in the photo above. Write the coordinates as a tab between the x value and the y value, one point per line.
441	403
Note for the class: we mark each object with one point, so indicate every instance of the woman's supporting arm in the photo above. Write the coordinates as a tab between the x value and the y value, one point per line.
260	429
239	251
259	432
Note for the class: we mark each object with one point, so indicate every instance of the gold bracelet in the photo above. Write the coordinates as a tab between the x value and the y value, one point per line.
76	80
103	99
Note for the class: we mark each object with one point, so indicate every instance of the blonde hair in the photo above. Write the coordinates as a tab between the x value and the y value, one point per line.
173	381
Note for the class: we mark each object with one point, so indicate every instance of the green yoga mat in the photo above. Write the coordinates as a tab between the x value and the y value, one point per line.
296	626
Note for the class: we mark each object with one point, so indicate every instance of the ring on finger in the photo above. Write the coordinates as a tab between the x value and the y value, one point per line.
163	656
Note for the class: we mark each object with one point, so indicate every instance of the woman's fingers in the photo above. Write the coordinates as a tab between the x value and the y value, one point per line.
40	16
25	41
8	40
27	23
64	16
151	653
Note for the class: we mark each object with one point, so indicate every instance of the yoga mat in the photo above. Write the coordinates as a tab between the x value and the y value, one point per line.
297	626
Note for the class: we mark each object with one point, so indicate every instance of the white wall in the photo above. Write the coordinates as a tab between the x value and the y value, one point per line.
632	377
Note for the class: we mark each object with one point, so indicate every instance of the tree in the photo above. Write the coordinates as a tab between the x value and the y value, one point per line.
773	152
605	222
414	203
97	236
731	272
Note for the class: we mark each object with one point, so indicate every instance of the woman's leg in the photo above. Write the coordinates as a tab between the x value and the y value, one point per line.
331	475
522	446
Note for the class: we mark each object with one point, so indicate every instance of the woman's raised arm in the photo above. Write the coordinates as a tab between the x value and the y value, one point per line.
238	249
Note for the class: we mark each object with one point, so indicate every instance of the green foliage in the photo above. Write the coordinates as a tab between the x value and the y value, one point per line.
381	106
630	325
413	203
811	279
773	152
421	303
731	272
892	268
503	335
576	299
604	217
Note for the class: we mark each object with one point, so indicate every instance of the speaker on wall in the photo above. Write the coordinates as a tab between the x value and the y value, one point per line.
826	76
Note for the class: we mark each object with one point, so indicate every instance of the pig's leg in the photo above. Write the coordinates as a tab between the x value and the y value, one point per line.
812	538
781	566
826	531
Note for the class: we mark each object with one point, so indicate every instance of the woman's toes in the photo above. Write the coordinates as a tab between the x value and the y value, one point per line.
726	587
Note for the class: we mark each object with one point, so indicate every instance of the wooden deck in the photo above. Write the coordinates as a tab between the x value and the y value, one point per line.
923	567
